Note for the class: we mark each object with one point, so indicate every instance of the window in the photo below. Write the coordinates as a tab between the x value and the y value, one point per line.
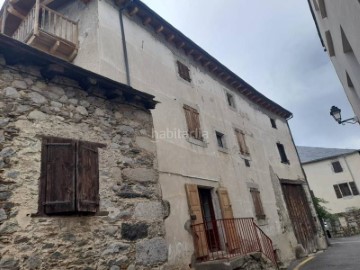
247	162
322	8
240	135
69	181
193	122
184	71
346	189
336	167
349	81
220	139
230	100
345	42
316	6
273	123
282	153
330	44
259	210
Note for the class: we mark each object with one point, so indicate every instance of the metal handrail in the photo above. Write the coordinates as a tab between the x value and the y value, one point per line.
228	238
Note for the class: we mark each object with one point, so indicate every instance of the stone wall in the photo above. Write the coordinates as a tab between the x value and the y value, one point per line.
129	229
346	224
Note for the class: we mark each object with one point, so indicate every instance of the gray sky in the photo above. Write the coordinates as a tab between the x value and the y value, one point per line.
273	45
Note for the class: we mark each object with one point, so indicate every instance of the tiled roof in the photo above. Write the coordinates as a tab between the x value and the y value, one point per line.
309	154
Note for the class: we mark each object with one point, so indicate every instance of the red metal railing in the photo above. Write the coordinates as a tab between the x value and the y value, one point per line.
228	238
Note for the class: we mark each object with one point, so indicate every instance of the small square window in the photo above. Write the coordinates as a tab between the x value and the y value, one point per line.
220	139
184	71
337	167
230	100
273	123
247	162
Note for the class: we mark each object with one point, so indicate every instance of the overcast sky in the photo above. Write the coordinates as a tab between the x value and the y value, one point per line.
273	45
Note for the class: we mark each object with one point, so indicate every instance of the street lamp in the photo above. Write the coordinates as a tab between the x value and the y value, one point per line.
336	113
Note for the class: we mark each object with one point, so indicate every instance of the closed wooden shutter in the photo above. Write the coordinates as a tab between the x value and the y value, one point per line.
58	175
196	217
184	71
87	186
233	239
240	135
354	188
259	210
337	191
337	166
193	122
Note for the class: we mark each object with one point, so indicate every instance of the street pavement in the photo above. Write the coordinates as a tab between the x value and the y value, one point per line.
343	254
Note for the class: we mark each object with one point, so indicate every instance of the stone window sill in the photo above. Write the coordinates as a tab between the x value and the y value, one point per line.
97	214
223	150
196	142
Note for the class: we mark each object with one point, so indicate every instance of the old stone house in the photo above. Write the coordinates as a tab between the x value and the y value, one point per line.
99	203
226	162
334	175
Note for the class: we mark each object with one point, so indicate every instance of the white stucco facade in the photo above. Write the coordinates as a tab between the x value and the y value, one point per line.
340	21
153	69
322	178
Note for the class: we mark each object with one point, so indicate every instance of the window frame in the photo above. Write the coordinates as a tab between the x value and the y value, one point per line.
183	71
77	166
329	43
322	8
351	186
192	117
336	166
257	203
220	136
283	157
273	123
241	139
230	100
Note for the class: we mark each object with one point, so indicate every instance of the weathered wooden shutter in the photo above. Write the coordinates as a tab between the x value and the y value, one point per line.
196	217
193	122
354	189
337	191
259	210
87	187
244	150
233	239
184	71
58	175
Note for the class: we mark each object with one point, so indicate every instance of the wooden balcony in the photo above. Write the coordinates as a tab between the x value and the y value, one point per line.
49	31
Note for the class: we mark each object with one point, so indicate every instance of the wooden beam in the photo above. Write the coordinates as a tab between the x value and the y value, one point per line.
171	37
55	47
159	29
207	63
182	44
189	52
16	12
46	2
147	21
199	57
134	11
214	68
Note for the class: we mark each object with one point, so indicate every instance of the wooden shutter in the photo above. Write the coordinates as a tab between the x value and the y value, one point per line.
337	191
193	122
259	210
57	191
337	166
240	135
87	186
196	217
233	240
354	188
184	71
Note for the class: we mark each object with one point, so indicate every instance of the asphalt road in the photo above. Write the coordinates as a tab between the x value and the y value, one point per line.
343	254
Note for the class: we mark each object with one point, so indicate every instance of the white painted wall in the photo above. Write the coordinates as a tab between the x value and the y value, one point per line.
321	178
153	69
347	15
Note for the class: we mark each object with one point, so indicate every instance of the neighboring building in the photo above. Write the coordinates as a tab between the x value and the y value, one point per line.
334	175
225	151
338	24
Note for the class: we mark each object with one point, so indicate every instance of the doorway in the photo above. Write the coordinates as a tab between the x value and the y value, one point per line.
208	213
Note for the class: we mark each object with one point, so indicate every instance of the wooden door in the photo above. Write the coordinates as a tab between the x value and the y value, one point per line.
201	245
233	240
300	215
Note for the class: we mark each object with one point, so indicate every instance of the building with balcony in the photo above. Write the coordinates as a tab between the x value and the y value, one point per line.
338	25
228	169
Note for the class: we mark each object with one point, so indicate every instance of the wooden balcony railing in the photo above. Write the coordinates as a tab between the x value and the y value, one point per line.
49	31
228	238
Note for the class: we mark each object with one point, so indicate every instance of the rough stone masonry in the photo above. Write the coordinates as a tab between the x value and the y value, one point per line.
128	232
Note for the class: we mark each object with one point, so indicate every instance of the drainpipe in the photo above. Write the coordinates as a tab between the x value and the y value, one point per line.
126	60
